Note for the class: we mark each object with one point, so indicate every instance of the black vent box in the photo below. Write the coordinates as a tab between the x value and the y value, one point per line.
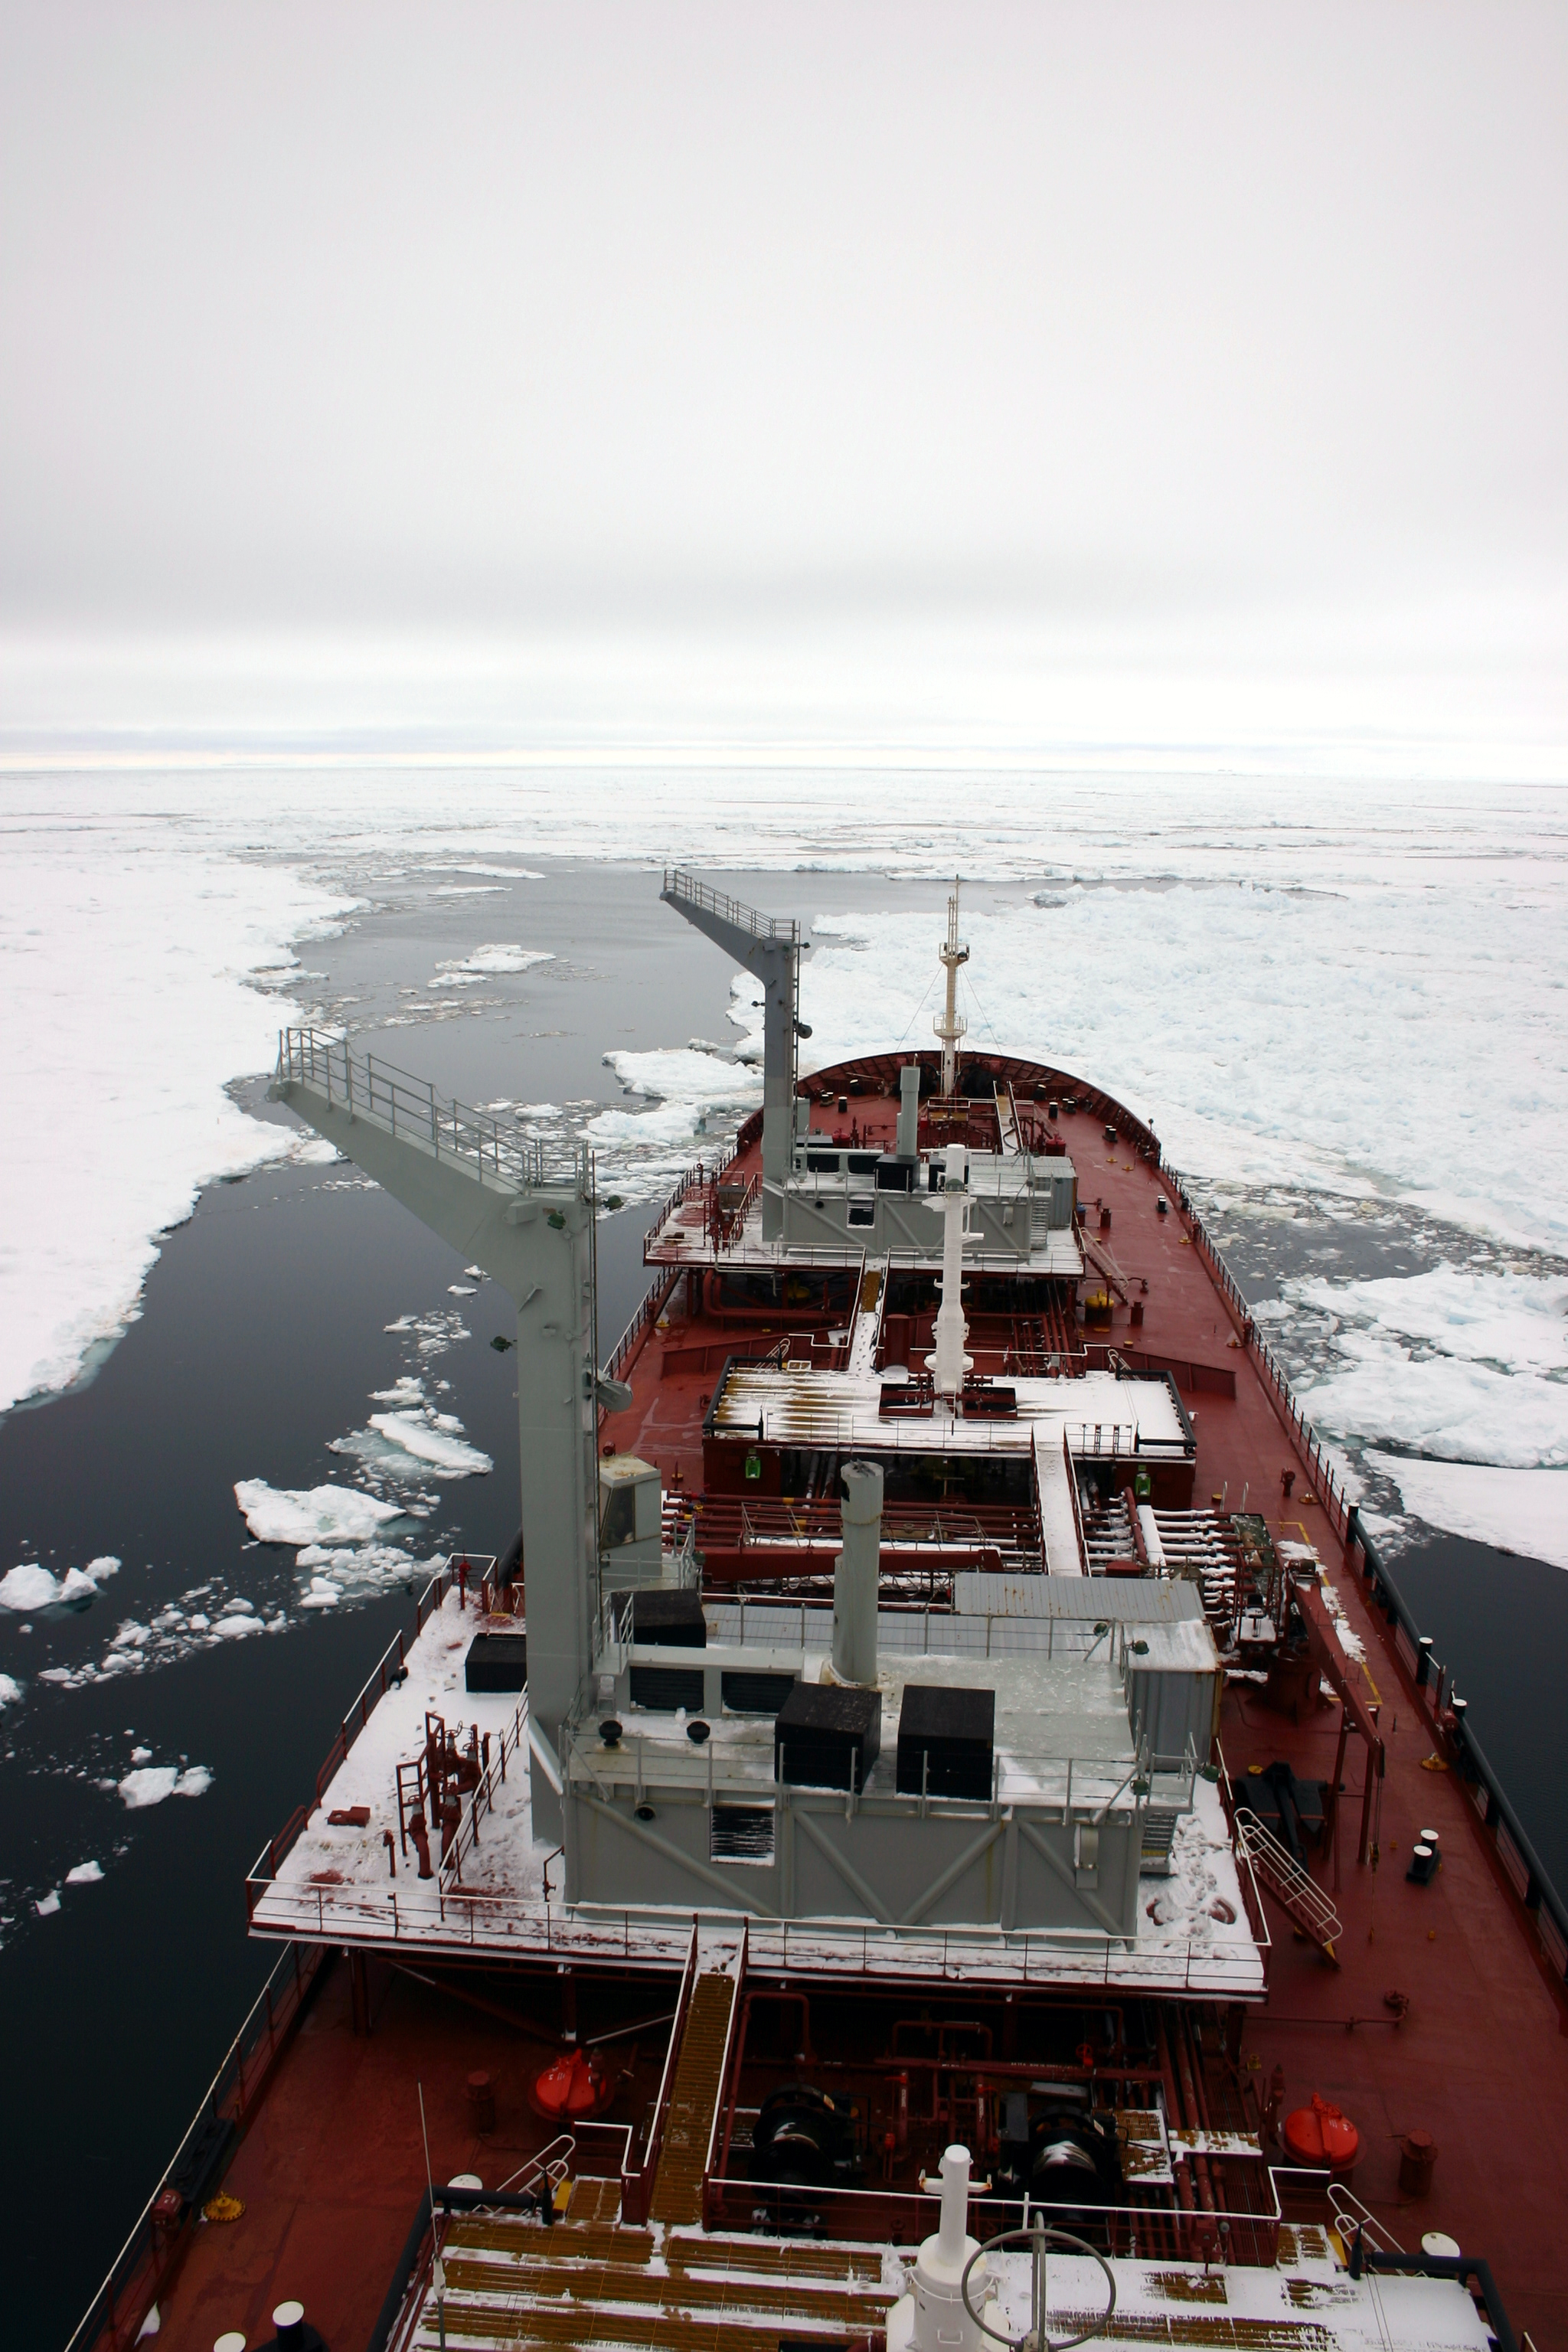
823	1734
664	1690
497	1662
672	1619
945	1742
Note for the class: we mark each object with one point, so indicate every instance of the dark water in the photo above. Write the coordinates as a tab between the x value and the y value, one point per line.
263	1333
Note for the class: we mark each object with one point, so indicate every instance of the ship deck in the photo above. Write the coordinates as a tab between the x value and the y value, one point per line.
1473	2051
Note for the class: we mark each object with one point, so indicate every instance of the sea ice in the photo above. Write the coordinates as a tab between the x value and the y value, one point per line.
493	962
47	1905
1516	1510
92	1176
505	873
236	1627
28	1586
10	1690
315	1515
406	1445
86	1873
151	1783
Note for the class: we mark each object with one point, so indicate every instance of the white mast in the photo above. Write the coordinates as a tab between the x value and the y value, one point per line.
951	1025
949	1363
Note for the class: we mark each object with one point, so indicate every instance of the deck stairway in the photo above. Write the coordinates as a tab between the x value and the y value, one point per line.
513	2283
1296	1891
693	2098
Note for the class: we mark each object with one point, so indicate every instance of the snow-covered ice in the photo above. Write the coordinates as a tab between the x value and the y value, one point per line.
1516	1510
151	1783
28	1586
10	1690
312	1515
86	1873
497	960
140	976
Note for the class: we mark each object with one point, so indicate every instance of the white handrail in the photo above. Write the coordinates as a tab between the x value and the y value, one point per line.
1279	1869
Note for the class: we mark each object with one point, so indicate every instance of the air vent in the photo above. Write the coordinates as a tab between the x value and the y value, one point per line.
740	1833
754	1694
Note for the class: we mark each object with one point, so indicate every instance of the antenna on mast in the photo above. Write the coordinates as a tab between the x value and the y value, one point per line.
951	1025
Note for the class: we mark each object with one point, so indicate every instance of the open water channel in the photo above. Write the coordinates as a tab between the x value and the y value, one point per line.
272	1319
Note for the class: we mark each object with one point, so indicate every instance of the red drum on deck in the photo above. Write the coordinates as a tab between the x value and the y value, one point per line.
1322	2133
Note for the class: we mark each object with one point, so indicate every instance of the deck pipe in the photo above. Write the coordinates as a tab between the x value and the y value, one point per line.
856	1575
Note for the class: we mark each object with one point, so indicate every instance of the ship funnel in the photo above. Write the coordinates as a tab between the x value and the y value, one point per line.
909	1110
856	1575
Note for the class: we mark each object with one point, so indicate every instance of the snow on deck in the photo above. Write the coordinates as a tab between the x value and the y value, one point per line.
337	1882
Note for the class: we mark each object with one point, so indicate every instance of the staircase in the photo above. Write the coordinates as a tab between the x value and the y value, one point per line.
693	2098
1297	1894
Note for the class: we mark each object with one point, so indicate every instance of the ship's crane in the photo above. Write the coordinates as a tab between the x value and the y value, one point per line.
529	1223
772	951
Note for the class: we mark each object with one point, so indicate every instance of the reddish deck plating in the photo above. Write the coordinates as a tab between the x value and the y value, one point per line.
1442	2015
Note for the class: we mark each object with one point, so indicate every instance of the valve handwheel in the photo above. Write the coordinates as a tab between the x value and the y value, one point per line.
1036	2239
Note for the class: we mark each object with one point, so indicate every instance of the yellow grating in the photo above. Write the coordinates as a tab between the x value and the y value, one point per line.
690	2296
567	2242
694	2097
522	2330
595	2201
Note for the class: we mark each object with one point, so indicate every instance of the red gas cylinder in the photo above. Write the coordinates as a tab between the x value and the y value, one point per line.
573	2089
1322	2135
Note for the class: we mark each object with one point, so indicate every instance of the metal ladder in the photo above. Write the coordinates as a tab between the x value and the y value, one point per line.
1295	1893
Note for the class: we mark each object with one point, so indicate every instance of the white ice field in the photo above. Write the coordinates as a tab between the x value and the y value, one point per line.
1345	996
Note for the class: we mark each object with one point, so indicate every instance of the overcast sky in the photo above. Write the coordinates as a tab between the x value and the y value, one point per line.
399	344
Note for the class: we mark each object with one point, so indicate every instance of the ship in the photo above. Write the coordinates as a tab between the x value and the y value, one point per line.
939	1833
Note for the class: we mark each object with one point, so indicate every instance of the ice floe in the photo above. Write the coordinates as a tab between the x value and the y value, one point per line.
405	1444
149	1784
199	946
1515	1510
312	1515
10	1690
86	1873
26	1587
496	960
31	1586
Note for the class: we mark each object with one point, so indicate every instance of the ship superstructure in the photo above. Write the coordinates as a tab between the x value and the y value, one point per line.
930	1693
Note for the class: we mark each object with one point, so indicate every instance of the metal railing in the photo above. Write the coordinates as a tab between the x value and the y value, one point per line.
1286	1878
1489	1799
636	2183
136	2277
1330	1487
482	1800
630	1343
410	1108
772	928
1229	1967
1069	1788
